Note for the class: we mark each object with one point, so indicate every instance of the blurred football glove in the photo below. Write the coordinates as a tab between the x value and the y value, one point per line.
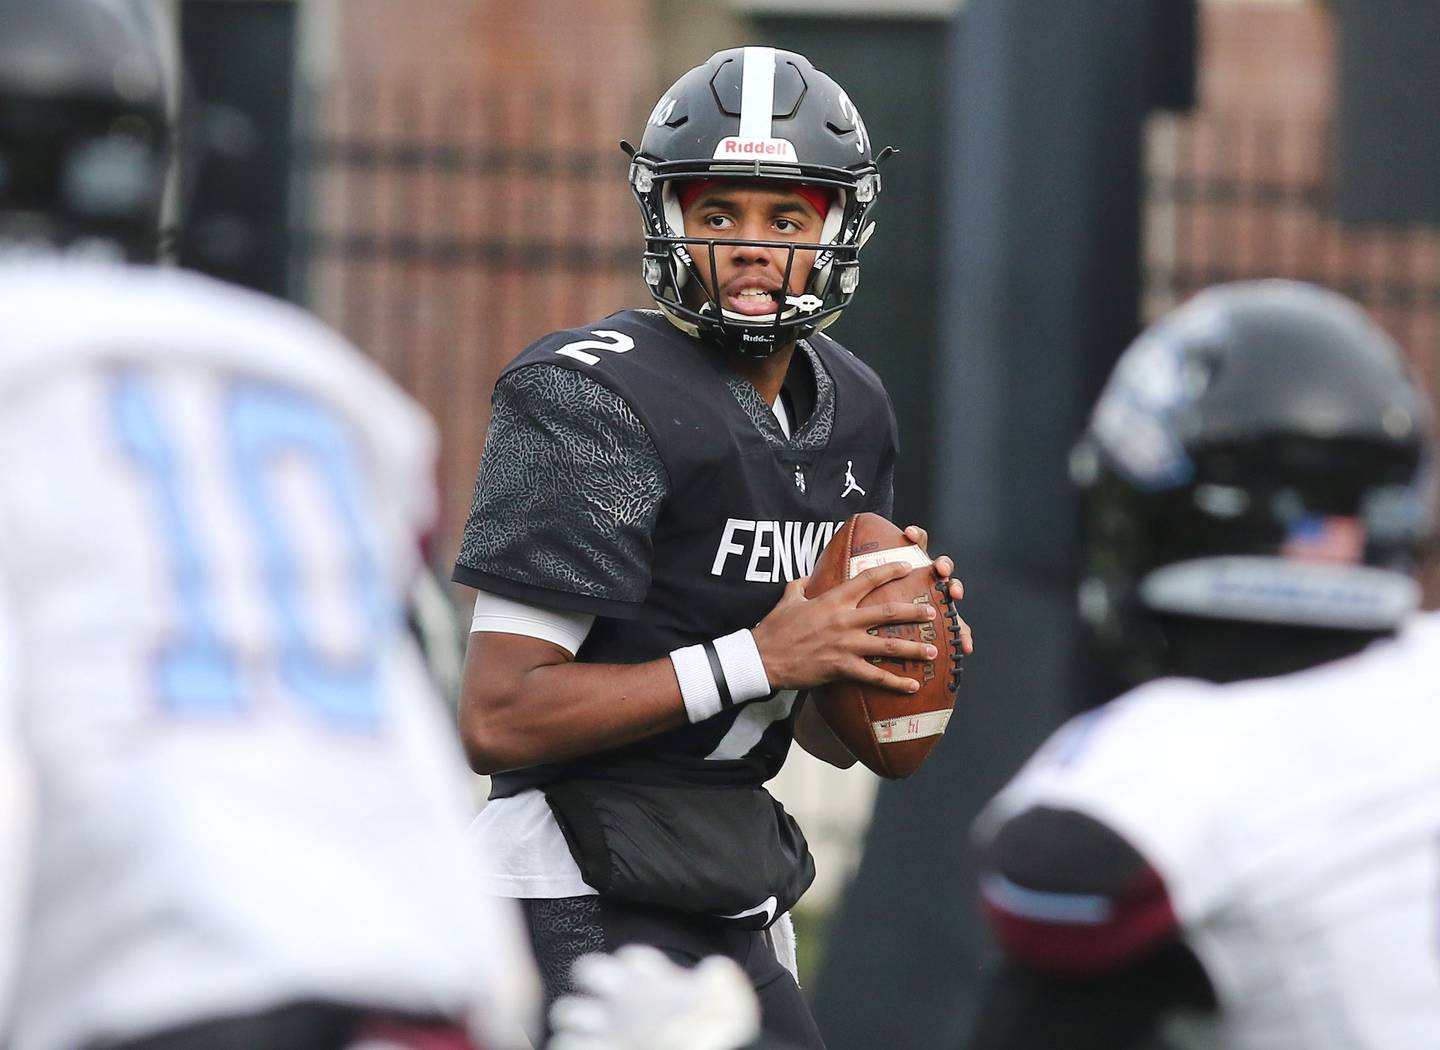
637	999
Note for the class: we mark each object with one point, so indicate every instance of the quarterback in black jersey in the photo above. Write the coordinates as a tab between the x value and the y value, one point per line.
654	488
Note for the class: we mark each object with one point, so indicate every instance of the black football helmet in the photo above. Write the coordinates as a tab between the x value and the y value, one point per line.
769	115
84	135
1260	456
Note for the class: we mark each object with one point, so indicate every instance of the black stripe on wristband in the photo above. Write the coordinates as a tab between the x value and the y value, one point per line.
718	673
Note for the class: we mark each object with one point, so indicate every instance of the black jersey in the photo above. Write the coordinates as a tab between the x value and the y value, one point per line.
631	473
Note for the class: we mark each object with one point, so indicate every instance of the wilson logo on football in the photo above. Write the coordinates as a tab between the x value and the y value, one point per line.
748	149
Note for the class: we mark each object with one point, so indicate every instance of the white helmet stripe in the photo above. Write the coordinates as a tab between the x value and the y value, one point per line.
1267	589
757	93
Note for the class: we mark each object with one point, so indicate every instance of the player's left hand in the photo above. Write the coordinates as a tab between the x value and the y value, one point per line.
945	570
637	999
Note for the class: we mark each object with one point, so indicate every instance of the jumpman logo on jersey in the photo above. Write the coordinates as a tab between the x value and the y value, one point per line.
851	485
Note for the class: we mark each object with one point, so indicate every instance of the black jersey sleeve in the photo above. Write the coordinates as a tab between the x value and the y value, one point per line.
566	498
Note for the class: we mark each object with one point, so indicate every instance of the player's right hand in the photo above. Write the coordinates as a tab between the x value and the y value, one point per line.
805	642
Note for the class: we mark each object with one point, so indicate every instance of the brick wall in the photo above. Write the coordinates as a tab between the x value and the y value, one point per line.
468	193
1276	55
603	43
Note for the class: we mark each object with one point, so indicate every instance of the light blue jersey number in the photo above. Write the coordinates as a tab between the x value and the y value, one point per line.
198	674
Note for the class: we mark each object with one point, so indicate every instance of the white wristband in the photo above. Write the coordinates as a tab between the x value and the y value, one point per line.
744	670
720	674
697	684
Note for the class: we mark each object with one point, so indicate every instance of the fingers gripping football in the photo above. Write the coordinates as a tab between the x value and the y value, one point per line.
806	642
907	610
954	589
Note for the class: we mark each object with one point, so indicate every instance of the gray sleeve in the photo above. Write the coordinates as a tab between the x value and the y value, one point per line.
566	498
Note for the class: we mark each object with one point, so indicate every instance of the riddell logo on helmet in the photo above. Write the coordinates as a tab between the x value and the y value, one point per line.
752	149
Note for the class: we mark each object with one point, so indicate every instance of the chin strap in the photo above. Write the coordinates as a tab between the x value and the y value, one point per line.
806	303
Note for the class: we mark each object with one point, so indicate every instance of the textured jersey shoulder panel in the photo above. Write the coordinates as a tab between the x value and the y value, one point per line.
567	494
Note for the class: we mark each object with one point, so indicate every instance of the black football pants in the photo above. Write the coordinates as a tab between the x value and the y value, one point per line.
566	928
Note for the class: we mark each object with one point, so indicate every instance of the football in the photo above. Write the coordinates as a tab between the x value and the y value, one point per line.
891	733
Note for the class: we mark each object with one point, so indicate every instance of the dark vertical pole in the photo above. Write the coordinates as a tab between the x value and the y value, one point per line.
240	59
1389	133
1039	274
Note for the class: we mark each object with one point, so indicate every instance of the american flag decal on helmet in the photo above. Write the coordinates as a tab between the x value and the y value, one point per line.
1325	538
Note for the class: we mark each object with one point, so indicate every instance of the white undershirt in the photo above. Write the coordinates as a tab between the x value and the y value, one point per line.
522	851
781	416
521	848
503	616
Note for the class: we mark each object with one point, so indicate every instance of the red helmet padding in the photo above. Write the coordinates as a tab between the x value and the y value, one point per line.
820	197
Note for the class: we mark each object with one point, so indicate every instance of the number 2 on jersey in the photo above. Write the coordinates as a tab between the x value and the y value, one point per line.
198	673
611	342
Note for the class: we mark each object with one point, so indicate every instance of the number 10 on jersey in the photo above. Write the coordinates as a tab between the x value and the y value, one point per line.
200	673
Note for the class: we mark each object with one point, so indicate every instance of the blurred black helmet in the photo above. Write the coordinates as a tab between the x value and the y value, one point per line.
83	131
768	115
1260	456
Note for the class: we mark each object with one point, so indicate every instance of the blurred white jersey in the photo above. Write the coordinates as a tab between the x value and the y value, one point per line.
248	793
16	816
1295	822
